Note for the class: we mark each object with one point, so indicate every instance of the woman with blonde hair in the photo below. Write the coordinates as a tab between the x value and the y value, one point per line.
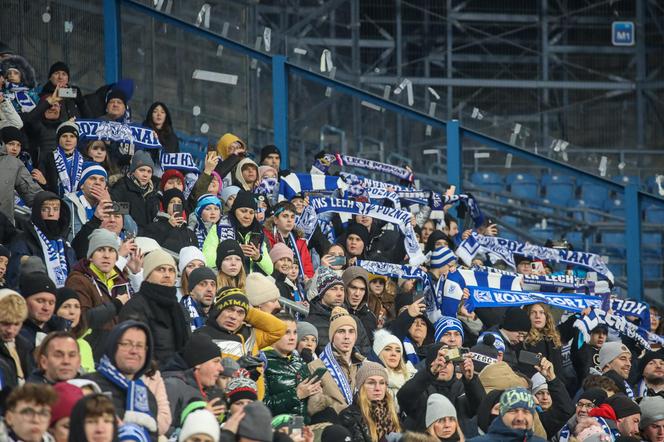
389	350
373	414
230	265
441	419
543	338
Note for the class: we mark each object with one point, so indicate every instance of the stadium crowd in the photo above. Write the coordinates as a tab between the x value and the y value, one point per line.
297	308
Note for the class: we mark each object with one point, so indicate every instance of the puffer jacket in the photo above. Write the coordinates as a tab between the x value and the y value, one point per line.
142	209
282	376
352	419
499	432
98	303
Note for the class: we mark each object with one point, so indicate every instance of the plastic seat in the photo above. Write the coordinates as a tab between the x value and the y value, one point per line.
651	244
615	206
613	238
580	214
525	190
576	239
558	188
626	179
651	185
594	195
521	178
655	214
511	220
542	234
618	270
652	272
481	178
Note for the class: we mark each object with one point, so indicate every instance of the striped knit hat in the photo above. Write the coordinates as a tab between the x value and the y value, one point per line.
441	256
91	168
446	324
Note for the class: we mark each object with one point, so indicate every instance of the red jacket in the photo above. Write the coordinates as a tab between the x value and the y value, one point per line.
301	245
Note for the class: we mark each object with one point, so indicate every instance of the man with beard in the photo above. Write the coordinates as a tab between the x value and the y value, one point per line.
589	399
652	374
615	361
203	283
262	293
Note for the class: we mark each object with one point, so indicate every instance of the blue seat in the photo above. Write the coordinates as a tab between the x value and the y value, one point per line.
195	145
521	178
651	185
655	214
613	238
615	206
504	233
651	244
492	188
576	239
480	178
594	195
618	270
558	189
652	271
525	190
511	220
582	215
626	179
542	234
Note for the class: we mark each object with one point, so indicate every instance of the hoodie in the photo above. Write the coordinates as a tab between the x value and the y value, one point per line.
499	432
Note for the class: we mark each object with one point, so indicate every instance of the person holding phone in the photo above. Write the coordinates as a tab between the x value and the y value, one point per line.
170	227
543	338
73	102
280	228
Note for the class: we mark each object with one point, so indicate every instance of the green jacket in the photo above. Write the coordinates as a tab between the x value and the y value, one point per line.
282	376
210	252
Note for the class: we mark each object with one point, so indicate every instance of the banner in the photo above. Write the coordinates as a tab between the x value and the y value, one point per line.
140	136
376	166
483	297
182	161
294	183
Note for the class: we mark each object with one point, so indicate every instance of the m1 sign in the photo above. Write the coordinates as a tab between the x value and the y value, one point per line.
622	33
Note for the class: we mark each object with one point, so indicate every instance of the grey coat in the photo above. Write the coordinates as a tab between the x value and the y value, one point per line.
14	176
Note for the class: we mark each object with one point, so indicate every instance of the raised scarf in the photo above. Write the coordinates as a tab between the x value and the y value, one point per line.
54	257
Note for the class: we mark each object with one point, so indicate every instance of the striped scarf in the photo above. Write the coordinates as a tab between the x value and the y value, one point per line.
337	373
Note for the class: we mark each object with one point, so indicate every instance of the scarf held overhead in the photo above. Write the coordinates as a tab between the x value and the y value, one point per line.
376	166
140	136
54	257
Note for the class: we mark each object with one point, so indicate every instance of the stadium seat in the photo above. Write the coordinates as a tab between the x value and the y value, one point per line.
617	269
651	185
558	189
511	220
652	272
594	195
576	239
651	243
580	214
615	206
626	179
655	214
195	145
523	185
613	238
542	234
521	178
488	181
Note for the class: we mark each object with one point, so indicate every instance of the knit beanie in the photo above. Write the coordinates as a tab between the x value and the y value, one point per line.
244	199
230	297
141	158
306	329
438	407
610	351
66	127
241	388
102	238
32	283
354	272
326	279
200	422
58	66
516	320
648	357
167	175
206	200
595	395
368	369
91	168
338	319
514	398
169	194
335	433
189	254
199	275
622	405
199	349
279	251
268	150
446	324
257	423
130	432
260	289
228	192
383	338
155	259
229	367
63	295
652	410
116	93
68	395
226	248
11	133
441	256
359	230
539	383
485	351
498	343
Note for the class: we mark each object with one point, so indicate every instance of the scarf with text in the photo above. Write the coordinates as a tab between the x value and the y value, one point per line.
54	257
295	183
337	373
307	222
452	288
376	166
69	169
182	161
618	323
134	134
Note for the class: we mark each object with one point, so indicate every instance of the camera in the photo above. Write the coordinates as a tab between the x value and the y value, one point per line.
455	355
67	92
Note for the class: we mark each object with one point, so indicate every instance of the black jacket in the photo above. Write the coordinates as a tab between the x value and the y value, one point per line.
157	306
400	325
40	131
351	418
561	408
366	316
142	209
24	350
29	330
319	317
70	107
553	354
169	237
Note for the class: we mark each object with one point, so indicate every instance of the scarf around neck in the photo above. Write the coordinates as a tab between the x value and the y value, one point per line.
69	169
54	257
164	303
338	375
380	414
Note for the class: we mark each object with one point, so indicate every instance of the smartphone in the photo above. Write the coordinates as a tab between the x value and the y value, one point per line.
529	358
295	427
256	240
67	92
318	374
120	208
456	354
338	261
177	210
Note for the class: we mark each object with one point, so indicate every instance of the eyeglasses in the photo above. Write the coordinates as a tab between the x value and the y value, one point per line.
31	413
587	405
374	384
126	345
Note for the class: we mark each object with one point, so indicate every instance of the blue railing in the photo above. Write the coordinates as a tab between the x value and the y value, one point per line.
282	69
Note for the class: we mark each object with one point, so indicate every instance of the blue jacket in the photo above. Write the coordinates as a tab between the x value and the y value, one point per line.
499	432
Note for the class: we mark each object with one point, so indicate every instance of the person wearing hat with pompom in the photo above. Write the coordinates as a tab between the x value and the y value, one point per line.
92	189
61	171
138	189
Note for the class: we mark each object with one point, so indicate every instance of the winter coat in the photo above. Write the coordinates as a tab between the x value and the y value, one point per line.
15	177
366	316
142	209
77	206
182	388
41	131
157	306
561	408
34	334
167	137
169	237
27	243
70	107
282	376
332	395
98	302
300	244
319	317
351	418
9	116
499	432
24	350
400	326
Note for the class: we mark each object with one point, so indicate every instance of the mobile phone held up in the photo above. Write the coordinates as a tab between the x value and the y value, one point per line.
177	210
529	358
67	92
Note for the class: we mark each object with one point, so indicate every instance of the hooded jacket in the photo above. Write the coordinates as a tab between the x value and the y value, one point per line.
238	179
142	209
499	432
27	243
118	395
15	177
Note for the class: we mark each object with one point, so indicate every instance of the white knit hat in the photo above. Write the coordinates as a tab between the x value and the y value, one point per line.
187	255
383	338
539	383
200	422
260	289
438	407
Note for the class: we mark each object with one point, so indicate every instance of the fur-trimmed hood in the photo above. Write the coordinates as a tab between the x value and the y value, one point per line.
28	75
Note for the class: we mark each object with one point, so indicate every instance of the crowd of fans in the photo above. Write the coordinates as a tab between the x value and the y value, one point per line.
106	336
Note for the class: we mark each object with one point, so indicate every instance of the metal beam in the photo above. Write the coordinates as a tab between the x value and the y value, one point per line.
583	49
633	242
112	51
345	42
314	15
280	107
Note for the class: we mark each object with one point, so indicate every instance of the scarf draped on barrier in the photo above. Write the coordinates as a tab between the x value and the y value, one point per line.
294	183
69	169
182	161
337	373
54	257
506	248
140	136
399	217
137	405
376	166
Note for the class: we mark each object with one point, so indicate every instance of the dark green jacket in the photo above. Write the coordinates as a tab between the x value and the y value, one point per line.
282	376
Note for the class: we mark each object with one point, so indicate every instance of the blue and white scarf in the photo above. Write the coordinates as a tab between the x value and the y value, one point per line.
54	257
266	186
139	136
409	351
191	305
337	373
294	183
307	222
377	194
352	179
182	161
137	407
69	170
452	288
225	229
505	248
22	97
588	322
545	283
376	166
630	307
393	270
399	217
201	231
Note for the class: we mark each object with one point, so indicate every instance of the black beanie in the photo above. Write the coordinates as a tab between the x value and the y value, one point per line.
359	230
595	395
200	274
623	406
199	349
230	297
268	150
516	320
169	195
244	199
36	282
58	66
650	356
335	433
63	295
4	251
226	248
11	133
116	93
